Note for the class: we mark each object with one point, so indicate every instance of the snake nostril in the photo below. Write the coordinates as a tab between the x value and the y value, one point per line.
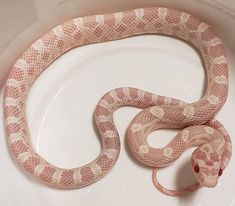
196	168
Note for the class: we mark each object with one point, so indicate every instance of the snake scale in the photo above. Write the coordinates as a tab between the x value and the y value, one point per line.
196	120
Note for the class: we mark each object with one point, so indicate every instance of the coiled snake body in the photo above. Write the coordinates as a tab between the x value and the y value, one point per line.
196	119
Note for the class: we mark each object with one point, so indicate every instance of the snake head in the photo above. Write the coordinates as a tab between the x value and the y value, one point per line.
206	166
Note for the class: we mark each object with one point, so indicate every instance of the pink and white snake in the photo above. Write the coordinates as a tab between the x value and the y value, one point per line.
199	128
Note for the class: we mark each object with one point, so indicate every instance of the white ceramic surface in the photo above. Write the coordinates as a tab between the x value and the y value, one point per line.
60	109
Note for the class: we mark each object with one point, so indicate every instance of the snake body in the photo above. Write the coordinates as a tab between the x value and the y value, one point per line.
199	128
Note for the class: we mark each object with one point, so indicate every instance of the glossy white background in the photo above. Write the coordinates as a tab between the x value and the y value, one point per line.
62	102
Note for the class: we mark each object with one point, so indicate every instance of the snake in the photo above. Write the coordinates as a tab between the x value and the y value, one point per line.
196	121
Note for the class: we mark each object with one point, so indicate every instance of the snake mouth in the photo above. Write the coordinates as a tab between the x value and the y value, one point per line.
210	181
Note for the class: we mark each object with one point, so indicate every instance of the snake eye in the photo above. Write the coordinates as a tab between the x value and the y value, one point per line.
220	172
196	168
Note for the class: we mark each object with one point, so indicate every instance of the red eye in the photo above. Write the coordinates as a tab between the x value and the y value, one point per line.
220	172
196	168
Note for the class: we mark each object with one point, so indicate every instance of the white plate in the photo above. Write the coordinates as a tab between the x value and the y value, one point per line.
60	115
